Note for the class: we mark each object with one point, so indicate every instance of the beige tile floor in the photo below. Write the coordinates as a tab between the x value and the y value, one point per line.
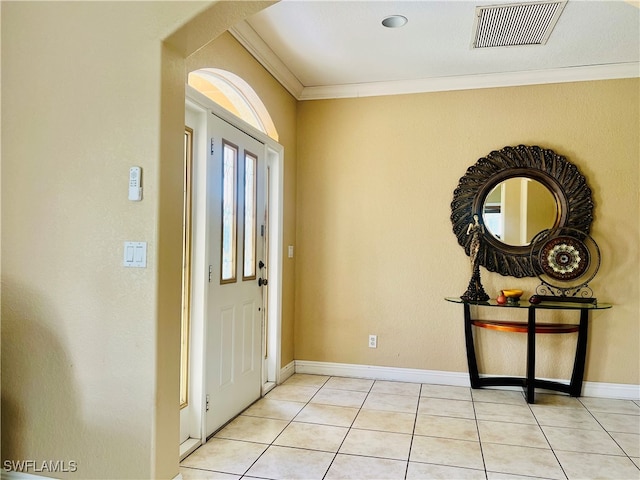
320	427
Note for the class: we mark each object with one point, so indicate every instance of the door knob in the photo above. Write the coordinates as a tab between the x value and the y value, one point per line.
262	282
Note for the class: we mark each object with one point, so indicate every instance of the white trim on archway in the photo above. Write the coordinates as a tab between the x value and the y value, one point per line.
235	95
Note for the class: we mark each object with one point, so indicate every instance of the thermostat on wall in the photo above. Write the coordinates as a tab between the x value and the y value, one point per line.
135	184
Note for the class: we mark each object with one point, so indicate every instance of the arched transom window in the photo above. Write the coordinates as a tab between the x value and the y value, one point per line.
235	95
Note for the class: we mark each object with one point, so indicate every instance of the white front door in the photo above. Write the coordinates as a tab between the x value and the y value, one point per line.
236	227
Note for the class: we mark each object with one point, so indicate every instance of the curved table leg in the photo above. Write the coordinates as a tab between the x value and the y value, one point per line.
474	377
575	388
531	356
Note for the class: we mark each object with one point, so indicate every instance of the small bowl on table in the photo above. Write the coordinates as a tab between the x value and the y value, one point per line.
513	296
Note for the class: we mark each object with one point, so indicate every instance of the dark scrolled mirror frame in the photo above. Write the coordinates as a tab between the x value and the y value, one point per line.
563	179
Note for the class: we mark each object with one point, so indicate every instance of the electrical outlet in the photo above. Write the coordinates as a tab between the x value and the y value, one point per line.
373	341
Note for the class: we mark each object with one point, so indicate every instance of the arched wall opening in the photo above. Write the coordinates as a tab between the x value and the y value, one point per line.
235	95
207	24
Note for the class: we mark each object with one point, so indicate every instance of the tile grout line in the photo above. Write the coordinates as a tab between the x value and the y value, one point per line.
609	433
475	417
271	444
348	430
546	439
413	432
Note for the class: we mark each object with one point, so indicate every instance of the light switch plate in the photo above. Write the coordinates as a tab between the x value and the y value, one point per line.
135	254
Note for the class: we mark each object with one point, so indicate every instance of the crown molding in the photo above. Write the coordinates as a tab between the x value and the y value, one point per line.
254	44
472	82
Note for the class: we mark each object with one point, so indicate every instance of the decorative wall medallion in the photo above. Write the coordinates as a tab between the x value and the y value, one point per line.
564	258
567	260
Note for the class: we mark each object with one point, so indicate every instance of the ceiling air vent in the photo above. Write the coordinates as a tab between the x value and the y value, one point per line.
515	24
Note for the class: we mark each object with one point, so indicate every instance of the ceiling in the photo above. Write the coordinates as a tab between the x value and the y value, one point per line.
338	49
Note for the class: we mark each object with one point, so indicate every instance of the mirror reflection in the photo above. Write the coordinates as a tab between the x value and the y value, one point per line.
517	209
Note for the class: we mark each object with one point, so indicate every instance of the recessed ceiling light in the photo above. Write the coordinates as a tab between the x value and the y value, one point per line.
394	21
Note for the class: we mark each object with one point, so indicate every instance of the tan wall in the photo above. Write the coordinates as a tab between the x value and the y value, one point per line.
90	349
376	250
227	54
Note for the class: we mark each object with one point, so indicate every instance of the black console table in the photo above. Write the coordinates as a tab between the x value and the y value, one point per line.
531	328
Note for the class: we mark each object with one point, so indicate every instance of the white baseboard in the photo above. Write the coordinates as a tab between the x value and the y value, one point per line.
383	373
622	391
188	447
373	372
287	371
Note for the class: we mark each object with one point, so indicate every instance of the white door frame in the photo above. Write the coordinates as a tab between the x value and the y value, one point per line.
275	162
200	106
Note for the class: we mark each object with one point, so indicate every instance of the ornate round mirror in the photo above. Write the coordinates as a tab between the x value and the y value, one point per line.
516	193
